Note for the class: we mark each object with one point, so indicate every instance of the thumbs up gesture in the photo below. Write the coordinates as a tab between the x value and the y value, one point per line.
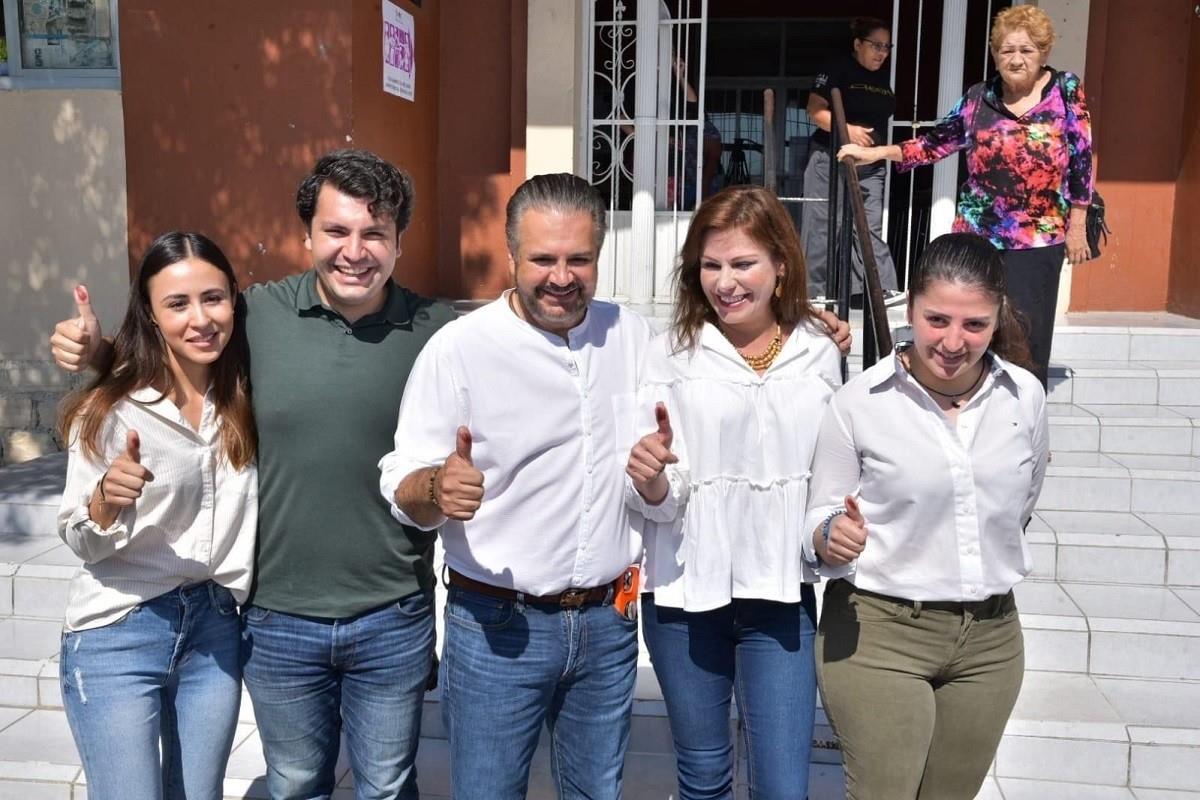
75	340
458	486
122	484
847	536
650	456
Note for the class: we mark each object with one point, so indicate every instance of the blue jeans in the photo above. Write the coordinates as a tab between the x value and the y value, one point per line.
309	678
509	667
166	673
762	652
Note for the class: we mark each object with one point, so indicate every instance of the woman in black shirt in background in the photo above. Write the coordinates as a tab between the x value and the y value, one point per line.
869	102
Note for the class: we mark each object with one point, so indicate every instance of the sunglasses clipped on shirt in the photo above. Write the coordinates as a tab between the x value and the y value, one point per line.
879	47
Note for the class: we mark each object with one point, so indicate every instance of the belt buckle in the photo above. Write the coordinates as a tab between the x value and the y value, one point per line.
573	598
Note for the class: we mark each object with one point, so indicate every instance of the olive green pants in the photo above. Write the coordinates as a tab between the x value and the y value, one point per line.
918	694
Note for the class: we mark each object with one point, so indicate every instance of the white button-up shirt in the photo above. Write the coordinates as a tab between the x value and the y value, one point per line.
945	502
194	522
731	525
542	414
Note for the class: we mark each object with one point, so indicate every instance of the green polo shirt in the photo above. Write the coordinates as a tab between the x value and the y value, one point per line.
326	398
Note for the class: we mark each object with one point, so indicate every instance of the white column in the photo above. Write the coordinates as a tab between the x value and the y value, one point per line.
645	108
950	89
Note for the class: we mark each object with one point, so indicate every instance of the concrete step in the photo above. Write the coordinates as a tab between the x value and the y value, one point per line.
1166	383
1111	630
1070	736
1125	429
29	496
1124	482
1144	548
1150	337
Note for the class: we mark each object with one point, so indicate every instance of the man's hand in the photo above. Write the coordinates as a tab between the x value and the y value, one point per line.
838	329
860	136
76	340
847	536
459	486
649	458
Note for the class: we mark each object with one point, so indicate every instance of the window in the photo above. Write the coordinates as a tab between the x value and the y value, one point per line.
60	44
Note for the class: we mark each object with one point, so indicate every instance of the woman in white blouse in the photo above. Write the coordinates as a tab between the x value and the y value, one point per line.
738	385
161	505
927	470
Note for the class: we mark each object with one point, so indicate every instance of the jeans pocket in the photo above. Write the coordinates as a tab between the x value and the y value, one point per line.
414	606
478	612
222	600
255	615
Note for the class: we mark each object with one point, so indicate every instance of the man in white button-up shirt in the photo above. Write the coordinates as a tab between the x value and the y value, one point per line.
507	438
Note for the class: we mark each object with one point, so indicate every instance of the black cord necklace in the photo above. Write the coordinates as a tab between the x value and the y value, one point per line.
953	398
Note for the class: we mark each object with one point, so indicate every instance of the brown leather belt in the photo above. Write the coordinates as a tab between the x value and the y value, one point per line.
571	598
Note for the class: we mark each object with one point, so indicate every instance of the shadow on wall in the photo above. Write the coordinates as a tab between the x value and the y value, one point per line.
219	144
62	212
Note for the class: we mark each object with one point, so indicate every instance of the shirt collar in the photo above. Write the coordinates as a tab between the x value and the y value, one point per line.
995	90
395	309
152	401
885	370
712	339
580	330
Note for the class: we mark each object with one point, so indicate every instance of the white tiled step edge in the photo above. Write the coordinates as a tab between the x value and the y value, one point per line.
1152	549
1066	728
1166	383
1125	343
1111	629
1122	482
1135	429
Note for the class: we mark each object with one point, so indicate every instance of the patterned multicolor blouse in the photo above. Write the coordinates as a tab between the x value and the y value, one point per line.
1023	173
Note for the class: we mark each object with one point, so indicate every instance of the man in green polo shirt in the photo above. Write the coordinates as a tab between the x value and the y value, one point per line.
339	631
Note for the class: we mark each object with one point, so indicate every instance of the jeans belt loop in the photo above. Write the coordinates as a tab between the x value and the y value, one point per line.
916	609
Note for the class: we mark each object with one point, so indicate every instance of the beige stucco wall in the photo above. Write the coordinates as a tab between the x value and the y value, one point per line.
62	212
552	107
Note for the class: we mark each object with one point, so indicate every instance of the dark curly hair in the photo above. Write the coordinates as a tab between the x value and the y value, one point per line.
364	176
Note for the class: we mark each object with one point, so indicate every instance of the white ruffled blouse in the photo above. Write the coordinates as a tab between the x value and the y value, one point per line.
731	525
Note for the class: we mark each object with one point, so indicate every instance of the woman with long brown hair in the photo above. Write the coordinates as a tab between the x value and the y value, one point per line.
161	505
927	469
738	385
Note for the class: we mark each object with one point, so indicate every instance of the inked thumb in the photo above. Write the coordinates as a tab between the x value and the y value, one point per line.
133	447
664	423
853	512
462	444
83	304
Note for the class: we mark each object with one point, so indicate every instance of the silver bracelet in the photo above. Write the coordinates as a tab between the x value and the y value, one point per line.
829	521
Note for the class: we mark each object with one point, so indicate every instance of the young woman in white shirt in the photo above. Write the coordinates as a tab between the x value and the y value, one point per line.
738	385
927	470
161	505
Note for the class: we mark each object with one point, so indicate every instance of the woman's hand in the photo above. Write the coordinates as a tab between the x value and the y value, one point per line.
649	458
121	485
1077	246
859	154
847	536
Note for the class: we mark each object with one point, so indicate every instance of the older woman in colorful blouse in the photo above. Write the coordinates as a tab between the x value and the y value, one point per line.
1028	139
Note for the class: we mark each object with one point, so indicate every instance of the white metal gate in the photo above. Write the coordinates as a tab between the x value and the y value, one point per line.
643	138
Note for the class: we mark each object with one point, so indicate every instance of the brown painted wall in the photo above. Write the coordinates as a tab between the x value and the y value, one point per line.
1184	294
1136	78
402	131
227	104
482	133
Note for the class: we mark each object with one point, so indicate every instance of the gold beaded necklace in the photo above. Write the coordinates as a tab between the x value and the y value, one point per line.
763	360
